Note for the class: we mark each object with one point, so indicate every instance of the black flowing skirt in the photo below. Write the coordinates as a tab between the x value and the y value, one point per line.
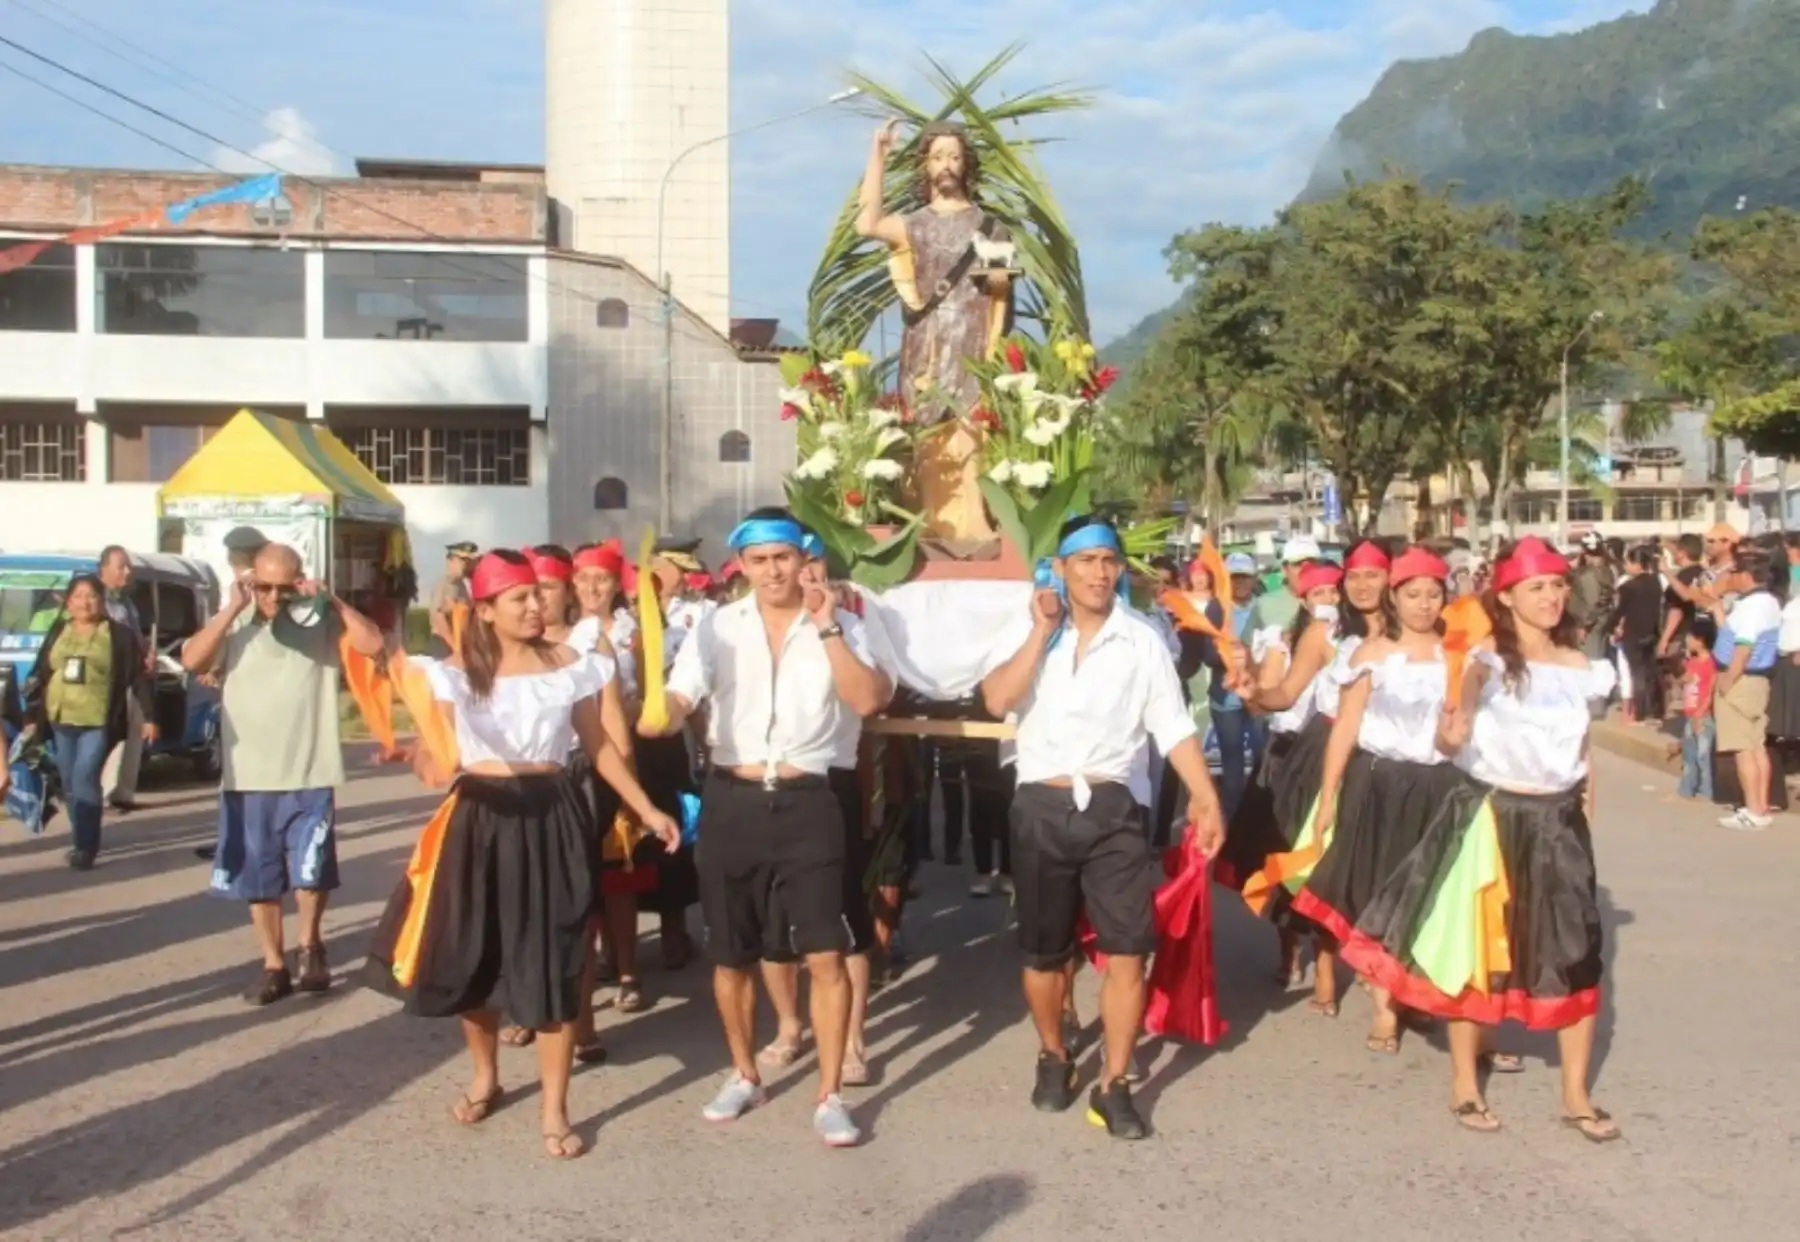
1494	916
1384	807
508	905
1784	700
666	773
1274	810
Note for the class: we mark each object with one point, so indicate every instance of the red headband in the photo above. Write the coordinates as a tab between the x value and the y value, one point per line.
1319	574
1417	563
1368	556
494	576
699	581
605	557
554	567
1531	557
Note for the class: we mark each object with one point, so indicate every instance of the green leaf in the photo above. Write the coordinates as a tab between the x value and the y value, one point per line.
1006	512
890	563
840	537
1048	514
793	366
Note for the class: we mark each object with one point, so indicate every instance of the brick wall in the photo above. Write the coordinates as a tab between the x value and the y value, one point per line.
45	199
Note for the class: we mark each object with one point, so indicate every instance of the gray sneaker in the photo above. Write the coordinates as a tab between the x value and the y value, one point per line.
738	1096
831	1122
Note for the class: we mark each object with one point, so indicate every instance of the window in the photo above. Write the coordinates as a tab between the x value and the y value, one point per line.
417	296
40	297
221	291
43	450
1643	508
1584	509
734	446
612	313
1534	512
453	456
610	493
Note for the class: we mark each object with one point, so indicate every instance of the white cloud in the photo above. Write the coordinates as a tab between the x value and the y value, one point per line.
292	146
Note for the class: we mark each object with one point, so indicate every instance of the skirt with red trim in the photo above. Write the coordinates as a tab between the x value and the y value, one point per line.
1274	810
1494	916
1383	810
506	921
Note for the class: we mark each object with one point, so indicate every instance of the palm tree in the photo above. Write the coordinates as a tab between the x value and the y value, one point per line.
851	290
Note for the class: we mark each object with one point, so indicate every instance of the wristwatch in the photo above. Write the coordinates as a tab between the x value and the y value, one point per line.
834	630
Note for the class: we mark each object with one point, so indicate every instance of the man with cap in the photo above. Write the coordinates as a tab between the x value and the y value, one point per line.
777	671
1276	610
1093	685
676	566
1592	594
450	594
1240	732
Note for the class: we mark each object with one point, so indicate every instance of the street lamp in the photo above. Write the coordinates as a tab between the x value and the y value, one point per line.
1562	512
665	492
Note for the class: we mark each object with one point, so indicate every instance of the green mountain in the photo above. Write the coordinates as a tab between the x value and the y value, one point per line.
1699	97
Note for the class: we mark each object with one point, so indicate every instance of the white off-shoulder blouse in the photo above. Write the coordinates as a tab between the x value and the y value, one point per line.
528	718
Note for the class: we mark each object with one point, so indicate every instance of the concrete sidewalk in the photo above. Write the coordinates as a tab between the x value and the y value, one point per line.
139	1096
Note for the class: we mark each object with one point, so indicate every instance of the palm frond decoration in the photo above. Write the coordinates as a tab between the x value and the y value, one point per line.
850	289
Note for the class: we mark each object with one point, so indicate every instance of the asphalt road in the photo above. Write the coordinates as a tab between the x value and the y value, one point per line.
140	1097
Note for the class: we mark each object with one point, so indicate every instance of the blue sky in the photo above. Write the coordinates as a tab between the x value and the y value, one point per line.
1207	109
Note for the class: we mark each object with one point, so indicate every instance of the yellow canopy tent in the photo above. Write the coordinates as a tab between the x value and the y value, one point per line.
295	482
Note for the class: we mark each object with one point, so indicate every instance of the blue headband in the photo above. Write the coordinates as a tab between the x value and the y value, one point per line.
1045	578
752	531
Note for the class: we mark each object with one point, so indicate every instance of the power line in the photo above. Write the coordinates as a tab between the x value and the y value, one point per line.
103	115
523	270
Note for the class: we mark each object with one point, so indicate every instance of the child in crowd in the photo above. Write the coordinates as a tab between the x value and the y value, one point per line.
1699	674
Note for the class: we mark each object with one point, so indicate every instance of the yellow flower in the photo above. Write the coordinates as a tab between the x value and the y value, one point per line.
1067	350
1087	349
856	358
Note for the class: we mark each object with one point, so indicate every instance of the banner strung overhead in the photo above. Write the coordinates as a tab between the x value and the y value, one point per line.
251	190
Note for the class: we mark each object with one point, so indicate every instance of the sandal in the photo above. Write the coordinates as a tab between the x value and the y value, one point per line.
1324	1009
1501	1062
563	1145
779	1054
468	1112
517	1036
631	997
855	1072
1388	1045
1474	1115
1595	1127
592	1052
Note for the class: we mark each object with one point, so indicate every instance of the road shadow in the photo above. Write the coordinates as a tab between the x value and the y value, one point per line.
974	1210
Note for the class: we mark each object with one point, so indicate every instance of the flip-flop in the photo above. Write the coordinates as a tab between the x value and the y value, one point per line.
468	1112
1467	1112
1599	1117
518	1036
779	1054
591	1053
1324	1009
1388	1045
556	1146
855	1072
1501	1062
631	996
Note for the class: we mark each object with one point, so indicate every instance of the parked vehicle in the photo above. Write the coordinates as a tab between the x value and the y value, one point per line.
174	596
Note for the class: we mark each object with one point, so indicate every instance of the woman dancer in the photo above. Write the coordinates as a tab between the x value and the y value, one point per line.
1495	914
1318	668
1384	776
1269	818
498	898
76	694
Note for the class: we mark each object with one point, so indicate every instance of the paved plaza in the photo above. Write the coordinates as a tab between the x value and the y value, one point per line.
139	1097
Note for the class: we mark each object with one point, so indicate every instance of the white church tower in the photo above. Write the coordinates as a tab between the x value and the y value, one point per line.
630	85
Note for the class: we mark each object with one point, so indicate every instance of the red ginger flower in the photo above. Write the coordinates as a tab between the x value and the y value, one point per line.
1015	357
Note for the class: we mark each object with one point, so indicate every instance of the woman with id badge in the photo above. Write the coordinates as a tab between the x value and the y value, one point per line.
77	694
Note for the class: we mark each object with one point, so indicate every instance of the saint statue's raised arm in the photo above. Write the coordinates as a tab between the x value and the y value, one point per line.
951	264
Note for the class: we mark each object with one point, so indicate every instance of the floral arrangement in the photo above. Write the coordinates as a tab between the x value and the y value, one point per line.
853	441
1040	402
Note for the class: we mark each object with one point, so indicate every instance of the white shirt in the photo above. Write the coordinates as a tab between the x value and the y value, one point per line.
683	617
1534	741
1095	721
1787	641
621	627
1328	686
762	712
1400	719
526	719
881	653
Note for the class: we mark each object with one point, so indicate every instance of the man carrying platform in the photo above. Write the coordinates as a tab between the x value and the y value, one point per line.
777	671
1092	683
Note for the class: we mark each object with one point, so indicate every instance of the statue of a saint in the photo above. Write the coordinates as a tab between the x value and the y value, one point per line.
951	264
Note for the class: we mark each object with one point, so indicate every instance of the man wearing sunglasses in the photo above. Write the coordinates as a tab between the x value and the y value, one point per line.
276	643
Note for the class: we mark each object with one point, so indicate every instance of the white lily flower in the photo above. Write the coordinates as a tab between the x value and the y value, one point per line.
1042	434
799	398
882	418
888	439
834	367
830	431
1002	471
1016	381
1066	405
881	468
1032	474
818	466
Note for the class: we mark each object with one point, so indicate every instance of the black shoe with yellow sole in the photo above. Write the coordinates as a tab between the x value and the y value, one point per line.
1109	1105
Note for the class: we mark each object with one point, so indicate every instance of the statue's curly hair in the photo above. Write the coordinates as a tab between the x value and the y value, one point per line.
971	160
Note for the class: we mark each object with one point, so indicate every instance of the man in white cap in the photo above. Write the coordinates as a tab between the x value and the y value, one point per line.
1277	609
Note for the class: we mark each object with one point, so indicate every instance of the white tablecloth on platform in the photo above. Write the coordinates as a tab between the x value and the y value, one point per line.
947	635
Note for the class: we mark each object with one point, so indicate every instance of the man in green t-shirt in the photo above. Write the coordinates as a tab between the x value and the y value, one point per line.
1277	609
283	761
